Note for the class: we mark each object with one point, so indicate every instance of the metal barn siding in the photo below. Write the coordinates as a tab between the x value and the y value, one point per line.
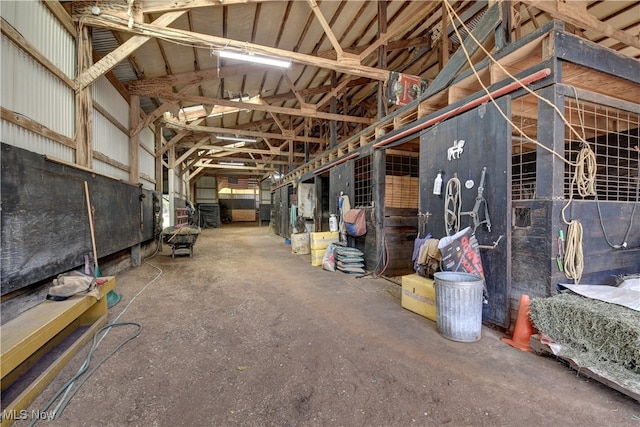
22	138
110	141
29	89
40	28
147	160
105	95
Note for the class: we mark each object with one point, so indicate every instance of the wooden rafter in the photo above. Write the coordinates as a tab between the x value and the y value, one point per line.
579	17
206	40
175	124
260	107
109	61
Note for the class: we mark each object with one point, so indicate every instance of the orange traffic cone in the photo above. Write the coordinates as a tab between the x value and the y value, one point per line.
523	330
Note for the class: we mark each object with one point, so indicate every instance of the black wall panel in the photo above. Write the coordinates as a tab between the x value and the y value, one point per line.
487	139
45	225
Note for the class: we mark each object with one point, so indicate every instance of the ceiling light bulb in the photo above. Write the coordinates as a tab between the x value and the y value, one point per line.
277	62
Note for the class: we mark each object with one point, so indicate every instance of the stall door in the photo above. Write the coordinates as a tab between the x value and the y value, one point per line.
463	147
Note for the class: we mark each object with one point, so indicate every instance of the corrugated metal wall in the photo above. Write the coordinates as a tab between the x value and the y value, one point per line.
147	160
105	95
30	89
22	138
206	190
37	25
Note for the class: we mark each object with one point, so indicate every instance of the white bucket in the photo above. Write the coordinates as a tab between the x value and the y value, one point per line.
333	222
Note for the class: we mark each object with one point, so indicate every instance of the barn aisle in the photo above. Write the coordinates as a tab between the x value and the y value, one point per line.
246	333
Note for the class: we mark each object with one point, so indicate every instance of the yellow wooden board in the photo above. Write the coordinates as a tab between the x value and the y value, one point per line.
321	240
419	295
24	335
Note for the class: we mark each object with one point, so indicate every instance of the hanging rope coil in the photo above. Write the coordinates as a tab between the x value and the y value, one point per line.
586	171
573	257
452	205
584	177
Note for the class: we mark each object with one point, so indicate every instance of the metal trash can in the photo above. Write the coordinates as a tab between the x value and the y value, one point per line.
459	305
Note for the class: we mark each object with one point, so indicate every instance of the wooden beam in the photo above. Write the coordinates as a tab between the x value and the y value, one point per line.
261	107
176	124
84	102
326	27
444	37
62	16
177	137
134	140
165	82
13	35
292	86
190	151
483	30
579	17
155	114
238	167
157	143
207	41
420	10
221	149
155	6
109	61
333	93
35	127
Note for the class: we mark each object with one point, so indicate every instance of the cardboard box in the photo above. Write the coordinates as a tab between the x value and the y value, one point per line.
322	240
419	295
316	257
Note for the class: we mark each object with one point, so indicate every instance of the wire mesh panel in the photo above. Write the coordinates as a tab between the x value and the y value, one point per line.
612	134
401	181
524	112
362	181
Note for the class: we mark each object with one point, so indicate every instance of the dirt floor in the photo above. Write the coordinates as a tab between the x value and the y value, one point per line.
246	333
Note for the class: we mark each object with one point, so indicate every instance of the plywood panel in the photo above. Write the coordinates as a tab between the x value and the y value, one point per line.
243	215
486	134
45	226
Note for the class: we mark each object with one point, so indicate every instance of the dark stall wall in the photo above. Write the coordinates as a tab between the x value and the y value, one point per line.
487	139
280	206
340	181
45	226
602	263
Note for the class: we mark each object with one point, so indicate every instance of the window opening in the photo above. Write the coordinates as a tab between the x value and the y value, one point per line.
524	111
401	181
613	136
362	181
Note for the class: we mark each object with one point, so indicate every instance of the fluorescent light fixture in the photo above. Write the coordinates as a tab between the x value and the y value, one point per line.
276	62
231	163
235	144
235	138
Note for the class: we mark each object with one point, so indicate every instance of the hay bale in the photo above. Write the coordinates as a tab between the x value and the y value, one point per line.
602	333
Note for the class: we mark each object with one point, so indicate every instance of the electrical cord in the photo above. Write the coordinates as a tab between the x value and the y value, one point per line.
67	388
85	366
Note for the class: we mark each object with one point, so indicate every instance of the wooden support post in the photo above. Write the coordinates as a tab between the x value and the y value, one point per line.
158	159
171	183
504	30
84	103
334	110
550	169
382	57
444	37
134	140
